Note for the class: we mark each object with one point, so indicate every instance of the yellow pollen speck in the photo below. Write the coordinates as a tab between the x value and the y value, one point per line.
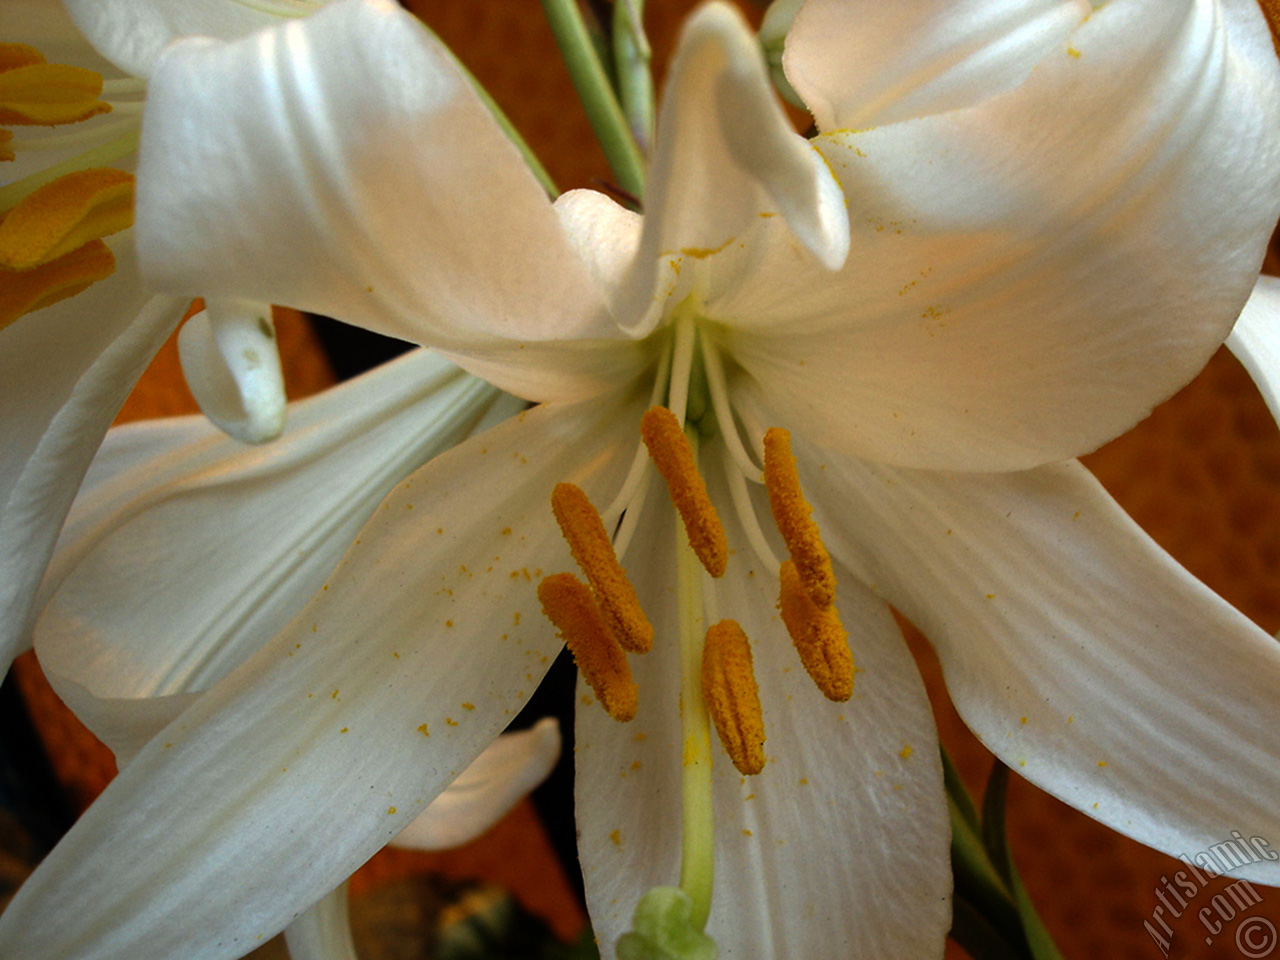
905	752
747	833
1071	719
450	721
819	637
732	697
468	706
673	456
448	623
641	737
792	514
334	695
569	605
1073	53
701	253
804	781
1023	721
422	729
344	729
1102	763
390	810
24	291
991	596
616	837
592	549
64	215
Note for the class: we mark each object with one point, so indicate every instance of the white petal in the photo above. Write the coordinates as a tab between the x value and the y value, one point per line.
232	365
66	370
324	931
859	64
325	744
1075	648
131	33
839	848
1032	275
486	791
1255	340
46	25
264	174
186	551
725	154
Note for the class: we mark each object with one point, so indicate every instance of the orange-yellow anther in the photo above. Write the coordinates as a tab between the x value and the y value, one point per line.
65	214
792	514
34	92
592	549
27	290
569	605
673	456
820	638
732	697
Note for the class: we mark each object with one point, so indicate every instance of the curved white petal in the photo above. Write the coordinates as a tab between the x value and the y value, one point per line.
232	365
267	172
324	931
326	743
1075	648
485	792
186	551
1032	275
859	64
66	370
131	33
840	847
726	153
1255	340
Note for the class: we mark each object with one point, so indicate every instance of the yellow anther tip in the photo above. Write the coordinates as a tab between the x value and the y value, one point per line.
29	290
732	696
673	456
592	549
792	514
64	215
568	604
820	638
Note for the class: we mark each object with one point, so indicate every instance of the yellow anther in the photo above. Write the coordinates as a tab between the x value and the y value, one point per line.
672	455
820	638
24	291
65	214
732	697
33	92
569	605
791	512
592	549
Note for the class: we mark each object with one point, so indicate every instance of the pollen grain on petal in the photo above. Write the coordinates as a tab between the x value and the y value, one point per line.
792	514
673	456
65	214
569	605
24	291
592	549
819	636
732	696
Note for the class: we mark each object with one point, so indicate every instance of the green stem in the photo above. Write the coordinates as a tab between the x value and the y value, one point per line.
697	839
592	83
631	56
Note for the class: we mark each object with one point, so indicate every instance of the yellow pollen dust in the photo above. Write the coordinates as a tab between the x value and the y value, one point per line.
673	456
732	697
820	638
65	214
34	92
568	604
24	291
592	549
792	514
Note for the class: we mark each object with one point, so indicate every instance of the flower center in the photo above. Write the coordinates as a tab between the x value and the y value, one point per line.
604	621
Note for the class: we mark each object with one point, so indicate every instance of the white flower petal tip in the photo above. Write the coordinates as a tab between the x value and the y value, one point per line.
486	791
863	64
1255	340
232	364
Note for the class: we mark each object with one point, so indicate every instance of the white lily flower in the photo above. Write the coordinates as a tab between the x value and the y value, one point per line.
68	364
1054	225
